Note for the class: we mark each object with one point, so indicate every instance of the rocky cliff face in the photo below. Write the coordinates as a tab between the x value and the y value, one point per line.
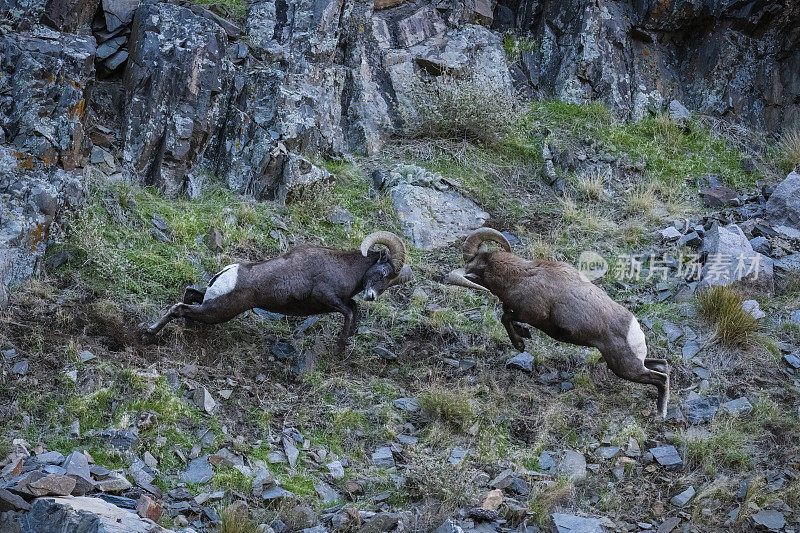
732	59
163	93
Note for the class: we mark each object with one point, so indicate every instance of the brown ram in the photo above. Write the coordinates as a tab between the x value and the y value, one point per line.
557	299
308	280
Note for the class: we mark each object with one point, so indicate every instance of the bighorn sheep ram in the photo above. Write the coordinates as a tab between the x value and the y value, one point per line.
308	280
557	299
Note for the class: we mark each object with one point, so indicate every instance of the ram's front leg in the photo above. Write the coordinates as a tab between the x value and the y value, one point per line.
508	320
356	318
347	326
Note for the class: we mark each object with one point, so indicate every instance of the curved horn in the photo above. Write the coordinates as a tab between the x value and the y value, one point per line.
477	237
458	277
397	250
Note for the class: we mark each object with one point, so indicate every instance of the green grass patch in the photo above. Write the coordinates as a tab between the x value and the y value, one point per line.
671	154
229	478
232	9
724	446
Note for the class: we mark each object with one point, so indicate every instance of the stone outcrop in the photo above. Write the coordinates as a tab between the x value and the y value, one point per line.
737	60
175	86
80	514
30	202
330	79
47	78
783	206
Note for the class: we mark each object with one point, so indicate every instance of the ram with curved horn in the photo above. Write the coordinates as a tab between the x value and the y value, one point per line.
308	280
557	299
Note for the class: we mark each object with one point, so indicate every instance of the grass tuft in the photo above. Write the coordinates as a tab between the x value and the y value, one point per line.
448	405
723	307
235	520
789	148
591	185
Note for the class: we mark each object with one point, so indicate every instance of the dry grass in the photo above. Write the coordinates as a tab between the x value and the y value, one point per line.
723	307
235	520
591	185
434	478
544	248
641	200
790	150
451	108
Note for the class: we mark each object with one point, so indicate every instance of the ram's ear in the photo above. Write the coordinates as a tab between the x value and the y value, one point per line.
404	276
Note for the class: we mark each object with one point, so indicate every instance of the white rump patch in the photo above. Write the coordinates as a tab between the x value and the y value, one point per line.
222	283
636	339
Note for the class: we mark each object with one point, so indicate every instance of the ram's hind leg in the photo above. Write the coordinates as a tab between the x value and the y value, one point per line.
659	365
205	313
176	311
193	295
629	362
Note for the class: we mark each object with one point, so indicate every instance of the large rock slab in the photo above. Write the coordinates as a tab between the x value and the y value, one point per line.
118	13
175	93
47	80
70	15
471	53
30	204
432	212
732	261
76	514
433	219
783	206
572	465
334	77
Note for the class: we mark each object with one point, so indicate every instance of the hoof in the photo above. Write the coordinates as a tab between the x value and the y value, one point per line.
145	336
523	332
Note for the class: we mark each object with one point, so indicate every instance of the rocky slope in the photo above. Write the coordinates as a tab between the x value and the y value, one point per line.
143	145
729	59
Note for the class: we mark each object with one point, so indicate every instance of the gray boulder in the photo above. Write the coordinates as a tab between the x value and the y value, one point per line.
732	261
668	457
119	13
431	211
678	113
572	465
783	206
682	498
198	471
69	15
567	523
699	409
